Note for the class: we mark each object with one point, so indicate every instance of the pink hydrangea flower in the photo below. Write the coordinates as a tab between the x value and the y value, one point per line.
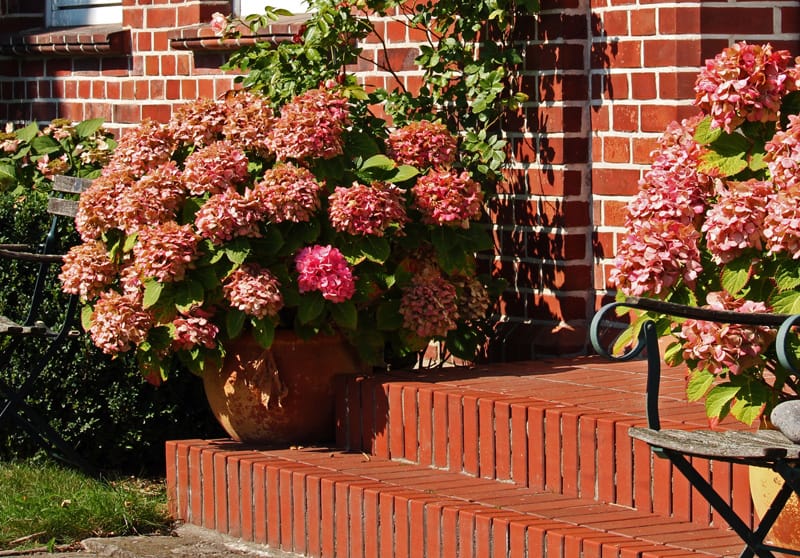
154	198
214	169
142	149
254	290
473	299
718	348
429	305
227	215
199	123
287	193
324	269
782	221
655	256
447	198
311	126
194	330
118	323
165	251
250	119
97	207
423	144
743	82
367	210
733	224
87	270
783	155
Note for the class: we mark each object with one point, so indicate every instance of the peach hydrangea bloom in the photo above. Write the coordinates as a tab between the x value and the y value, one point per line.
194	330
448	198
367	210
733	224
87	270
287	193
119	322
199	123
324	269
423	144
744	82
154	198
225	216
311	126
429	305
165	251
254	290
215	168
250	119
142	149
783	155
717	348
97	207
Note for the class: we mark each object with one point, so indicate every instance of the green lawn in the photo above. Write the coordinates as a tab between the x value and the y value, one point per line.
45	504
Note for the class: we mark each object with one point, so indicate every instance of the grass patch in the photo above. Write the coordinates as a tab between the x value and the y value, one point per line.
48	504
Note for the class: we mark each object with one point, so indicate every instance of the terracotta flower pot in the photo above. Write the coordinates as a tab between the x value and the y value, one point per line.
764	484
284	395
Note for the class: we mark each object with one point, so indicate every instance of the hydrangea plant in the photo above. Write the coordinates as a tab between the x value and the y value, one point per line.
716	223
238	216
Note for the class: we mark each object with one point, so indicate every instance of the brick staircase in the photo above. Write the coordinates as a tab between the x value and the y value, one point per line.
523	459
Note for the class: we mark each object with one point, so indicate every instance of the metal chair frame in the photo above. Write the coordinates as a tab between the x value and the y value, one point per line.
768	449
12	398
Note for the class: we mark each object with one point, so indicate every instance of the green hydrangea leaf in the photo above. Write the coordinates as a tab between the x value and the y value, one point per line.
152	293
735	275
404	172
310	307
700	381
345	314
718	400
88	127
787	276
8	173
234	322
86	317
264	332
673	355
376	249
27	133
44	145
463	342
726	165
786	302
380	162
704	134
188	294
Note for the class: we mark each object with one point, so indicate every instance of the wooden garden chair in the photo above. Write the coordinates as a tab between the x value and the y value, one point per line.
765	448
62	205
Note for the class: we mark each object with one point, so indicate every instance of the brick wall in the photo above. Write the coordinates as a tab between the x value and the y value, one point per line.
604	77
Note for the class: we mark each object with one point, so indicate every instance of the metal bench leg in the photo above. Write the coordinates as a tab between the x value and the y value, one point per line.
754	540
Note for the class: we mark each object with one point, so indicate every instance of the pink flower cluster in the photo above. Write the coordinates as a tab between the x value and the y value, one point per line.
324	269
720	348
119	322
783	155
193	331
655	256
311	126
744	82
287	193
254	290
735	222
198	124
215	169
225	216
473	300
154	198
97	207
141	149
87	270
367	210
447	198
661	244
429	305
423	144
165	251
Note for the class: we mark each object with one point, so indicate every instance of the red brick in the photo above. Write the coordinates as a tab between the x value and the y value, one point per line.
737	20
684	19
411	437
615	23
386	523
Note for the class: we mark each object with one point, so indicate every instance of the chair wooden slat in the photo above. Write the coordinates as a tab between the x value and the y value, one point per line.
58	206
70	184
732	444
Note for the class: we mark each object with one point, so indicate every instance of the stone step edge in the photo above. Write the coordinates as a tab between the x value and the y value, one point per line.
315	488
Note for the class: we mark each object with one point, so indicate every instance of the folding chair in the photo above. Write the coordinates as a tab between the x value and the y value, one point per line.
12	397
767	448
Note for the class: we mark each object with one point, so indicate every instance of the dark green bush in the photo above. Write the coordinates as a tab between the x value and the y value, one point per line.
101	406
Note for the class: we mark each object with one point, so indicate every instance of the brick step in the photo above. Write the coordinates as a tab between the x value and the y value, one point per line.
321	502
557	426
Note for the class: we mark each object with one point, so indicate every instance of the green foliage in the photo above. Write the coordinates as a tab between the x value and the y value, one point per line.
469	61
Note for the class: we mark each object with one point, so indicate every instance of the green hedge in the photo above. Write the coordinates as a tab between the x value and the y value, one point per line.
101	406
